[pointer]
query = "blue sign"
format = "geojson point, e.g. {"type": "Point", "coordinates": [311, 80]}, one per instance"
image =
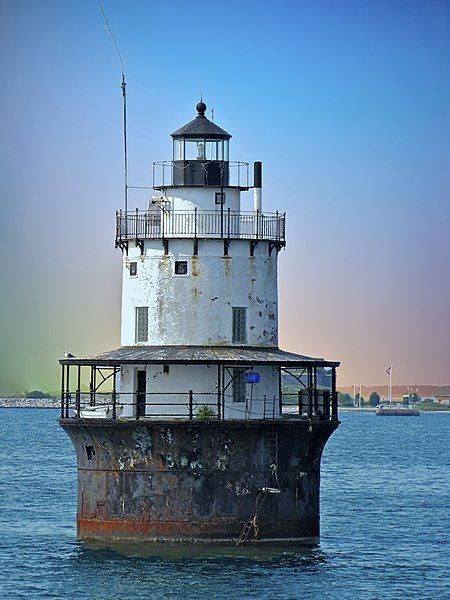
{"type": "Point", "coordinates": [252, 377]}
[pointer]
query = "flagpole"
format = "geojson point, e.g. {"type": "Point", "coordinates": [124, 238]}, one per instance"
{"type": "Point", "coordinates": [390, 385]}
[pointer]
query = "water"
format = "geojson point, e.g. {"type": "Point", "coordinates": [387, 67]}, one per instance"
{"type": "Point", "coordinates": [385, 510]}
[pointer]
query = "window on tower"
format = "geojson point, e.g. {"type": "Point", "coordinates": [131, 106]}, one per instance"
{"type": "Point", "coordinates": [181, 267]}
{"type": "Point", "coordinates": [239, 325]}
{"type": "Point", "coordinates": [141, 324]}
{"type": "Point", "coordinates": [238, 385]}
{"type": "Point", "coordinates": [133, 269]}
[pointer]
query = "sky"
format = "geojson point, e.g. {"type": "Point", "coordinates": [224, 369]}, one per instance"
{"type": "Point", "coordinates": [346, 103]}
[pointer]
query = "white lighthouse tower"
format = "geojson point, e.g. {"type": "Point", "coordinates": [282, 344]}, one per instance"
{"type": "Point", "coordinates": [200, 276]}
{"type": "Point", "coordinates": [183, 433]}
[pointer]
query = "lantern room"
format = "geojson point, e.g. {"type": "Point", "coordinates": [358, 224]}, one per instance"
{"type": "Point", "coordinates": [200, 153]}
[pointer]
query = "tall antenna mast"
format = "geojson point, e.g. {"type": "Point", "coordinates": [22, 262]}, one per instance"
{"type": "Point", "coordinates": [124, 96]}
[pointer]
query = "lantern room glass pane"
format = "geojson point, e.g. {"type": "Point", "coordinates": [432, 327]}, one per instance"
{"type": "Point", "coordinates": [178, 149]}
{"type": "Point", "coordinates": [201, 149]}
{"type": "Point", "coordinates": [214, 150]}
{"type": "Point", "coordinates": [194, 149]}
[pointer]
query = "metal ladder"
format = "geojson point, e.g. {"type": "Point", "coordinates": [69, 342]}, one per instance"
{"type": "Point", "coordinates": [270, 450]}
{"type": "Point", "coordinates": [251, 523]}
{"type": "Point", "coordinates": [269, 466]}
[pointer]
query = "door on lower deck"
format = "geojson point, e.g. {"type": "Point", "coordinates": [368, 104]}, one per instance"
{"type": "Point", "coordinates": [141, 390]}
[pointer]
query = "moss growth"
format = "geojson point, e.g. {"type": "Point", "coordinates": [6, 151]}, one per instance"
{"type": "Point", "coordinates": [205, 413]}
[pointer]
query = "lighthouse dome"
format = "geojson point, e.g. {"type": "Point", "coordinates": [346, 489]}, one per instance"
{"type": "Point", "coordinates": [201, 127]}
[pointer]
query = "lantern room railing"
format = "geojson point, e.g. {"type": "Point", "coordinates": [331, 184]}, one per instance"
{"type": "Point", "coordinates": [200, 173]}
{"type": "Point", "coordinates": [226, 224]}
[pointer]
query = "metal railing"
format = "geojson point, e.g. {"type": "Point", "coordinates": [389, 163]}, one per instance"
{"type": "Point", "coordinates": [313, 404]}
{"type": "Point", "coordinates": [192, 405]}
{"type": "Point", "coordinates": [226, 224]}
{"type": "Point", "coordinates": [200, 173]}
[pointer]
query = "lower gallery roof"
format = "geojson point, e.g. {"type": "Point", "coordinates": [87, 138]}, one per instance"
{"type": "Point", "coordinates": [197, 355]}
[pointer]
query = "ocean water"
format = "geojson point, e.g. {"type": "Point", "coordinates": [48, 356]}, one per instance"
{"type": "Point", "coordinates": [385, 508]}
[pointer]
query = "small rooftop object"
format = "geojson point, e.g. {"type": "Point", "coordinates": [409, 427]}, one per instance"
{"type": "Point", "coordinates": [186, 432]}
{"type": "Point", "coordinates": [201, 108]}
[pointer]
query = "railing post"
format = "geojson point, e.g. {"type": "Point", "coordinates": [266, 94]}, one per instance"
{"type": "Point", "coordinates": [62, 391]}
{"type": "Point", "coordinates": [228, 221]}
{"type": "Point", "coordinates": [114, 406]}
{"type": "Point", "coordinates": [315, 391]}
{"type": "Point", "coordinates": [78, 392]}
{"type": "Point", "coordinates": [300, 407]}
{"type": "Point", "coordinates": [91, 388]}
{"type": "Point", "coordinates": [280, 393]}
{"type": "Point", "coordinates": [334, 396]}
{"type": "Point", "coordinates": [195, 222]}
{"type": "Point", "coordinates": [310, 392]}
{"type": "Point", "coordinates": [191, 405]}
{"type": "Point", "coordinates": [67, 392]}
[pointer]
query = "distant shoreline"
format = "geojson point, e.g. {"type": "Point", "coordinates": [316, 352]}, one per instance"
{"type": "Point", "coordinates": [18, 402]}
{"type": "Point", "coordinates": [54, 403]}
{"type": "Point", "coordinates": [28, 406]}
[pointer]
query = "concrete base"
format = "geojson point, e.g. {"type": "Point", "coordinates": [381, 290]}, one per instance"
{"type": "Point", "coordinates": [198, 482]}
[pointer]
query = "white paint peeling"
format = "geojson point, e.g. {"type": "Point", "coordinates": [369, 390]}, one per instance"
{"type": "Point", "coordinates": [196, 310]}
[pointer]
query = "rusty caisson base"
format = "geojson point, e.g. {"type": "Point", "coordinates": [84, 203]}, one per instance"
{"type": "Point", "coordinates": [195, 481]}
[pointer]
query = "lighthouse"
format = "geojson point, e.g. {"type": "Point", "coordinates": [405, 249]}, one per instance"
{"type": "Point", "coordinates": [199, 428]}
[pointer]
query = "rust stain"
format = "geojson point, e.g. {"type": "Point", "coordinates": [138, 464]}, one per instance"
{"type": "Point", "coordinates": [195, 267]}
{"type": "Point", "coordinates": [193, 481]}
{"type": "Point", "coordinates": [191, 531]}
{"type": "Point", "coordinates": [227, 266]}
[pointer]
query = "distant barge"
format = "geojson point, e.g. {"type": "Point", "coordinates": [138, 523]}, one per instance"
{"type": "Point", "coordinates": [398, 411]}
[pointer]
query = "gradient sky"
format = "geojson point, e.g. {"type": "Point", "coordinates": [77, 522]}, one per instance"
{"type": "Point", "coordinates": [346, 103]}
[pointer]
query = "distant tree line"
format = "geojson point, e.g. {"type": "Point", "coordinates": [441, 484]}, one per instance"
{"type": "Point", "coordinates": [348, 400]}
{"type": "Point", "coordinates": [37, 394]}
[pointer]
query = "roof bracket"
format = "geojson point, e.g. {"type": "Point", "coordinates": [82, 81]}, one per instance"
{"type": "Point", "coordinates": [253, 245]}
{"type": "Point", "coordinates": [140, 244]}
{"type": "Point", "coordinates": [276, 245]}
